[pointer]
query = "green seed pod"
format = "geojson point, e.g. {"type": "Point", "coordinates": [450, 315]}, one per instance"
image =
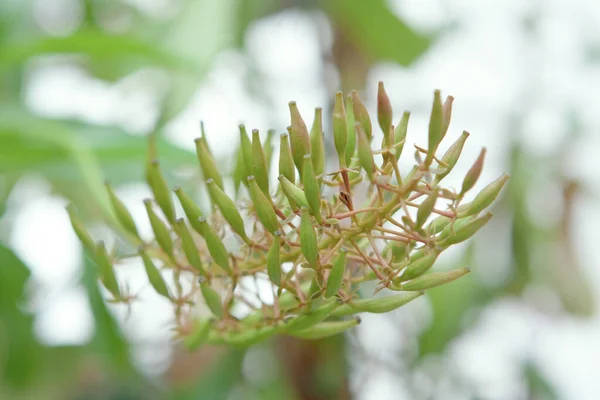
{"type": "Point", "coordinates": [400, 134]}
{"type": "Point", "coordinates": [316, 142]}
{"type": "Point", "coordinates": [378, 305]}
{"type": "Point", "coordinates": [451, 228]}
{"type": "Point", "coordinates": [107, 271]}
{"type": "Point", "coordinates": [451, 156]}
{"type": "Point", "coordinates": [315, 286]}
{"type": "Point", "coordinates": [286, 162]}
{"type": "Point", "coordinates": [161, 191]}
{"type": "Point", "coordinates": [351, 146]}
{"type": "Point", "coordinates": [361, 115]}
{"type": "Point", "coordinates": [215, 246]}
{"type": "Point", "coordinates": [312, 188]}
{"type": "Point", "coordinates": [207, 162]}
{"type": "Point", "coordinates": [199, 334]}
{"type": "Point", "coordinates": [485, 198]}
{"type": "Point", "coordinates": [161, 232]}
{"type": "Point", "coordinates": [268, 146]}
{"type": "Point", "coordinates": [80, 230]}
{"type": "Point", "coordinates": [311, 318]}
{"type": "Point", "coordinates": [447, 110]}
{"type": "Point", "coordinates": [384, 113]}
{"type": "Point", "coordinates": [473, 173]}
{"type": "Point", "coordinates": [154, 276]}
{"type": "Point", "coordinates": [262, 206]}
{"type": "Point", "coordinates": [365, 154]}
{"type": "Point", "coordinates": [228, 209]}
{"type": "Point", "coordinates": [212, 299]}
{"type": "Point", "coordinates": [274, 261]}
{"type": "Point", "coordinates": [260, 168]}
{"type": "Point", "coordinates": [299, 138]}
{"type": "Point", "coordinates": [438, 225]}
{"type": "Point", "coordinates": [294, 194]}
{"type": "Point", "coordinates": [249, 337]}
{"type": "Point", "coordinates": [432, 280]}
{"type": "Point", "coordinates": [340, 129]}
{"type": "Point", "coordinates": [123, 215]}
{"type": "Point", "coordinates": [465, 232]}
{"type": "Point", "coordinates": [421, 265]}
{"type": "Point", "coordinates": [336, 275]}
{"type": "Point", "coordinates": [425, 208]}
{"type": "Point", "coordinates": [239, 173]}
{"type": "Point", "coordinates": [188, 245]}
{"type": "Point", "coordinates": [246, 149]}
{"type": "Point", "coordinates": [190, 208]}
{"type": "Point", "coordinates": [436, 122]}
{"type": "Point", "coordinates": [308, 239]}
{"type": "Point", "coordinates": [326, 329]}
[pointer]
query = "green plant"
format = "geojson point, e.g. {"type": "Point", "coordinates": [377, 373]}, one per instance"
{"type": "Point", "coordinates": [377, 225]}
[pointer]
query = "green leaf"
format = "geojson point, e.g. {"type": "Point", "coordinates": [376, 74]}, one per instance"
{"type": "Point", "coordinates": [95, 44]}
{"type": "Point", "coordinates": [376, 30]}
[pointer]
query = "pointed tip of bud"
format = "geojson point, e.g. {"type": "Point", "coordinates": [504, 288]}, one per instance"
{"type": "Point", "coordinates": [210, 181]}
{"type": "Point", "coordinates": [357, 319]}
{"type": "Point", "coordinates": [202, 219]}
{"type": "Point", "coordinates": [284, 135]}
{"type": "Point", "coordinates": [177, 189]}
{"type": "Point", "coordinates": [180, 220]}
{"type": "Point", "coordinates": [155, 162]}
{"type": "Point", "coordinates": [250, 178]}
{"type": "Point", "coordinates": [255, 131]}
{"type": "Point", "coordinates": [147, 202]}
{"type": "Point", "coordinates": [197, 140]}
{"type": "Point", "coordinates": [307, 156]}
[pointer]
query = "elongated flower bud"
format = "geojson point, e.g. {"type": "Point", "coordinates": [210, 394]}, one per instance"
{"type": "Point", "coordinates": [351, 145]}
{"type": "Point", "coordinates": [473, 173]}
{"type": "Point", "coordinates": [336, 275]}
{"type": "Point", "coordinates": [376, 306]}
{"type": "Point", "coordinates": [316, 142]}
{"type": "Point", "coordinates": [311, 318]}
{"type": "Point", "coordinates": [246, 149]}
{"type": "Point", "coordinates": [447, 109]}
{"type": "Point", "coordinates": [239, 172]}
{"type": "Point", "coordinates": [212, 299]}
{"type": "Point", "coordinates": [286, 162]}
{"type": "Point", "coordinates": [268, 146]}
{"type": "Point", "coordinates": [199, 334]}
{"type": "Point", "coordinates": [294, 194]}
{"type": "Point", "coordinates": [485, 198]}
{"type": "Point", "coordinates": [436, 122]}
{"type": "Point", "coordinates": [161, 191]}
{"type": "Point", "coordinates": [326, 329]}
{"type": "Point", "coordinates": [467, 231]}
{"type": "Point", "coordinates": [80, 230]}
{"type": "Point", "coordinates": [122, 213]}
{"type": "Point", "coordinates": [161, 232]}
{"type": "Point", "coordinates": [107, 271]}
{"type": "Point", "coordinates": [274, 261]}
{"type": "Point", "coordinates": [308, 239]}
{"type": "Point", "coordinates": [190, 208]}
{"type": "Point", "coordinates": [340, 128]}
{"type": "Point", "coordinates": [425, 208]}
{"type": "Point", "coordinates": [299, 138]}
{"type": "Point", "coordinates": [451, 156]}
{"type": "Point", "coordinates": [262, 206]}
{"type": "Point", "coordinates": [418, 267]}
{"type": "Point", "coordinates": [434, 279]}
{"type": "Point", "coordinates": [384, 113]}
{"type": "Point", "coordinates": [189, 247]}
{"type": "Point", "coordinates": [259, 163]}
{"type": "Point", "coordinates": [215, 246]}
{"type": "Point", "coordinates": [361, 115]}
{"type": "Point", "coordinates": [207, 162]}
{"type": "Point", "coordinates": [312, 189]}
{"type": "Point", "coordinates": [365, 154]}
{"type": "Point", "coordinates": [400, 134]}
{"type": "Point", "coordinates": [228, 209]}
{"type": "Point", "coordinates": [156, 279]}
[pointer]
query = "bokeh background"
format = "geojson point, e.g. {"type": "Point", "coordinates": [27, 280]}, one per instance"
{"type": "Point", "coordinates": [84, 82]}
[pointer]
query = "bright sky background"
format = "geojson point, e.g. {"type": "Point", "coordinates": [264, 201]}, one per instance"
{"type": "Point", "coordinates": [490, 66]}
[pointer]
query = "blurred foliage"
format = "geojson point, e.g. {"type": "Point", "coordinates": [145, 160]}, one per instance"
{"type": "Point", "coordinates": [115, 39]}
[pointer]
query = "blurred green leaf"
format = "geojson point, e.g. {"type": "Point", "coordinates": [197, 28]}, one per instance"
{"type": "Point", "coordinates": [380, 33]}
{"type": "Point", "coordinates": [97, 45]}
{"type": "Point", "coordinates": [20, 352]}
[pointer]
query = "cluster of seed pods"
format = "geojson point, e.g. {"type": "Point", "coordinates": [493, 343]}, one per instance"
{"type": "Point", "coordinates": [315, 238]}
